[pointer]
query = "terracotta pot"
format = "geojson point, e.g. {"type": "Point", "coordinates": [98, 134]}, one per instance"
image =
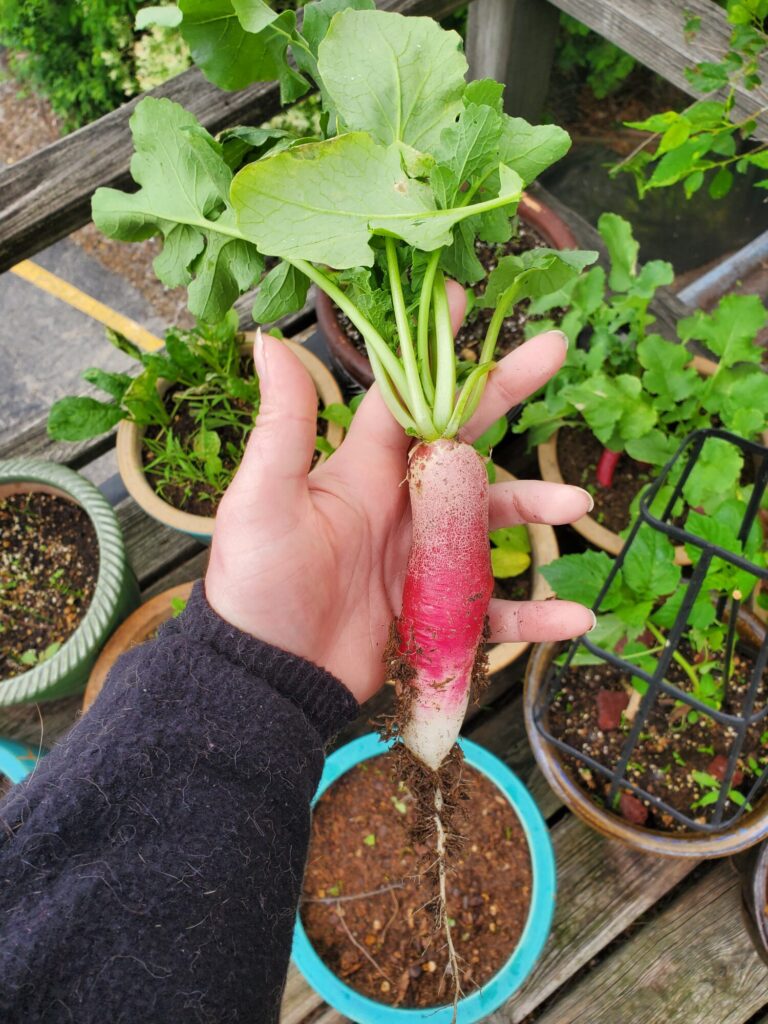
{"type": "Point", "coordinates": [354, 366]}
{"type": "Point", "coordinates": [589, 528]}
{"type": "Point", "coordinates": [130, 463]}
{"type": "Point", "coordinates": [753, 868]}
{"type": "Point", "coordinates": [137, 628]}
{"type": "Point", "coordinates": [544, 549]}
{"type": "Point", "coordinates": [115, 595]}
{"type": "Point", "coordinates": [752, 829]}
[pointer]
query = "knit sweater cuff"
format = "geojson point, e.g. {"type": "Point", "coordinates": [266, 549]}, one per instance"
{"type": "Point", "coordinates": [324, 700]}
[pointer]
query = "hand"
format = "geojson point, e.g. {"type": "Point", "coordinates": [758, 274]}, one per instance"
{"type": "Point", "coordinates": [314, 563]}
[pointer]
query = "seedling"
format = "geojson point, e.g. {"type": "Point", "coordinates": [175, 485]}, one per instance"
{"type": "Point", "coordinates": [31, 658]}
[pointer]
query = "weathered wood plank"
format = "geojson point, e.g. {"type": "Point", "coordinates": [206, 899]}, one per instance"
{"type": "Point", "coordinates": [513, 41]}
{"type": "Point", "coordinates": [694, 964]}
{"type": "Point", "coordinates": [653, 32]}
{"type": "Point", "coordinates": [48, 195]}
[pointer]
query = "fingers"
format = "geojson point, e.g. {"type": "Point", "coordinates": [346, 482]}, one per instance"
{"type": "Point", "coordinates": [457, 304]}
{"type": "Point", "coordinates": [534, 501]}
{"type": "Point", "coordinates": [281, 446]}
{"type": "Point", "coordinates": [516, 377]}
{"type": "Point", "coordinates": [537, 621]}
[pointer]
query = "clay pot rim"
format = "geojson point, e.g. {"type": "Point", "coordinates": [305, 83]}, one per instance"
{"type": "Point", "coordinates": [544, 549]}
{"type": "Point", "coordinates": [130, 435]}
{"type": "Point", "coordinates": [751, 830]}
{"type": "Point", "coordinates": [134, 630]}
{"type": "Point", "coordinates": [356, 364]}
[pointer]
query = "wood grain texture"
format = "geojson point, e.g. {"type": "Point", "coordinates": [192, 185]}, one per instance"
{"type": "Point", "coordinates": [48, 195]}
{"type": "Point", "coordinates": [693, 964]}
{"type": "Point", "coordinates": [652, 31]}
{"type": "Point", "coordinates": [513, 41]}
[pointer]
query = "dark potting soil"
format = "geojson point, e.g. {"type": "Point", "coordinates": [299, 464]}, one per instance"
{"type": "Point", "coordinates": [578, 452]}
{"type": "Point", "coordinates": [200, 497]}
{"type": "Point", "coordinates": [5, 786]}
{"type": "Point", "coordinates": [385, 945]}
{"type": "Point", "coordinates": [514, 588]}
{"type": "Point", "coordinates": [469, 340]}
{"type": "Point", "coordinates": [49, 564]}
{"type": "Point", "coordinates": [589, 712]}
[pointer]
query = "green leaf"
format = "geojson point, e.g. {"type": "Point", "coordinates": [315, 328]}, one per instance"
{"type": "Point", "coordinates": [168, 16]}
{"type": "Point", "coordinates": [655, 447]}
{"type": "Point", "coordinates": [491, 437]}
{"type": "Point", "coordinates": [533, 274]}
{"type": "Point", "coordinates": [581, 577]}
{"type": "Point", "coordinates": [77, 419]}
{"type": "Point", "coordinates": [184, 196]}
{"type": "Point", "coordinates": [307, 203]}
{"type": "Point", "coordinates": [506, 563]}
{"type": "Point", "coordinates": [335, 412]}
{"type": "Point", "coordinates": [115, 384]}
{"type": "Point", "coordinates": [206, 443]}
{"type": "Point", "coordinates": [674, 136]}
{"type": "Point", "coordinates": [531, 149]}
{"type": "Point", "coordinates": [649, 565]}
{"type": "Point", "coordinates": [283, 291]}
{"type": "Point", "coordinates": [459, 260]}
{"type": "Point", "coordinates": [721, 183]}
{"type": "Point", "coordinates": [486, 92]}
{"type": "Point", "coordinates": [622, 250]}
{"type": "Point", "coordinates": [513, 538]}
{"type": "Point", "coordinates": [318, 15]}
{"type": "Point", "coordinates": [471, 145]}
{"type": "Point", "coordinates": [667, 371]}
{"type": "Point", "coordinates": [715, 474]}
{"type": "Point", "coordinates": [237, 42]}
{"type": "Point", "coordinates": [730, 330]}
{"type": "Point", "coordinates": [399, 78]}
{"type": "Point", "coordinates": [370, 839]}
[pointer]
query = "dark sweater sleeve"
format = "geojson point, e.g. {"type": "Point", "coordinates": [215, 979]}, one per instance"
{"type": "Point", "coordinates": [150, 868]}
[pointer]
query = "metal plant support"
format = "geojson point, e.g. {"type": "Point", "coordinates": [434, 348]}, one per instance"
{"type": "Point", "coordinates": [727, 610]}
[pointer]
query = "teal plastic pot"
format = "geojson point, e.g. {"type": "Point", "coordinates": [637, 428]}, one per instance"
{"type": "Point", "coordinates": [115, 596]}
{"type": "Point", "coordinates": [506, 981]}
{"type": "Point", "coordinates": [17, 759]}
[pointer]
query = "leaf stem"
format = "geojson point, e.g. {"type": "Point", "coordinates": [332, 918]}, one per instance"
{"type": "Point", "coordinates": [415, 398]}
{"type": "Point", "coordinates": [681, 661]}
{"type": "Point", "coordinates": [422, 328]}
{"type": "Point", "coordinates": [445, 358]}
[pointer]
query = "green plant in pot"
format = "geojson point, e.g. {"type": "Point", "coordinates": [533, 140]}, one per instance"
{"type": "Point", "coordinates": [651, 728]}
{"type": "Point", "coordinates": [184, 419]}
{"type": "Point", "coordinates": [627, 396]}
{"type": "Point", "coordinates": [368, 215]}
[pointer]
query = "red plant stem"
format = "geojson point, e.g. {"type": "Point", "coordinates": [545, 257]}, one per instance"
{"type": "Point", "coordinates": [447, 589]}
{"type": "Point", "coordinates": [606, 467]}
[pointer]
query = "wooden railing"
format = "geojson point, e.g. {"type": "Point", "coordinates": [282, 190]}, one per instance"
{"type": "Point", "coordinates": [47, 195]}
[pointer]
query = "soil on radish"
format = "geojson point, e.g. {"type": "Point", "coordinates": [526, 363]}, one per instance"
{"type": "Point", "coordinates": [49, 564]}
{"type": "Point", "coordinates": [588, 713]}
{"type": "Point", "coordinates": [578, 452]}
{"type": "Point", "coordinates": [385, 945]}
{"type": "Point", "coordinates": [200, 497]}
{"type": "Point", "coordinates": [469, 340]}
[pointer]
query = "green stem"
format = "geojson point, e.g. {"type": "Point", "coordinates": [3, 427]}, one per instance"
{"type": "Point", "coordinates": [681, 661]}
{"type": "Point", "coordinates": [374, 340]}
{"type": "Point", "coordinates": [445, 358]}
{"type": "Point", "coordinates": [472, 383]}
{"type": "Point", "coordinates": [415, 398]}
{"type": "Point", "coordinates": [422, 330]}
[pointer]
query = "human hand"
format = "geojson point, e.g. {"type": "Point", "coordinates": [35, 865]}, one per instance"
{"type": "Point", "coordinates": [315, 562]}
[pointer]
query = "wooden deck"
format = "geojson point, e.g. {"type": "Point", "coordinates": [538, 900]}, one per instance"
{"type": "Point", "coordinates": [636, 940]}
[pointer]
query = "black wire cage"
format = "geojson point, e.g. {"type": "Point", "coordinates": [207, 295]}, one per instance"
{"type": "Point", "coordinates": [674, 475]}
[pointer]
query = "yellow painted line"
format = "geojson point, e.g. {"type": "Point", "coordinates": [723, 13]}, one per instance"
{"type": "Point", "coordinates": [60, 289]}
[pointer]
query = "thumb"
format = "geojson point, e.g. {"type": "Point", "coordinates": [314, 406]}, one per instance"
{"type": "Point", "coordinates": [282, 443]}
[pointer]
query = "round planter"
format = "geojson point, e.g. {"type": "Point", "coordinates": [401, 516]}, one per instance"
{"type": "Point", "coordinates": [544, 549]}
{"type": "Point", "coordinates": [589, 528]}
{"type": "Point", "coordinates": [115, 595]}
{"type": "Point", "coordinates": [508, 980]}
{"type": "Point", "coordinates": [17, 760]}
{"type": "Point", "coordinates": [751, 829]}
{"type": "Point", "coordinates": [130, 463]}
{"type": "Point", "coordinates": [355, 366]}
{"type": "Point", "coordinates": [140, 625]}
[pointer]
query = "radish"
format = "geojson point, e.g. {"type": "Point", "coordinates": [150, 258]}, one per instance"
{"type": "Point", "coordinates": [417, 165]}
{"type": "Point", "coordinates": [606, 467]}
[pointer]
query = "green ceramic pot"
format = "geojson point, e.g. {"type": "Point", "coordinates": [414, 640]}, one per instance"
{"type": "Point", "coordinates": [115, 596]}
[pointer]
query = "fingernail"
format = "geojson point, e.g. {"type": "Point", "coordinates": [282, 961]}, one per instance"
{"type": "Point", "coordinates": [564, 336]}
{"type": "Point", "coordinates": [259, 355]}
{"type": "Point", "coordinates": [590, 499]}
{"type": "Point", "coordinates": [594, 621]}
